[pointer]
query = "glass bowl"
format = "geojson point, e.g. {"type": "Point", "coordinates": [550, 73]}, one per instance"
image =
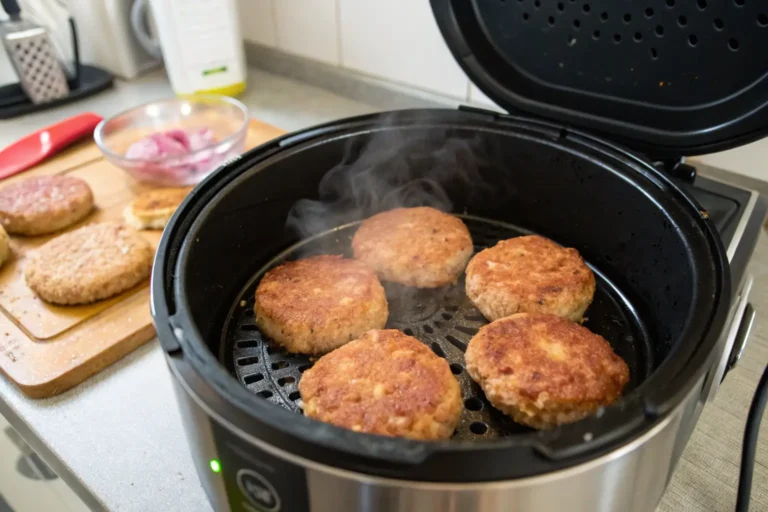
{"type": "Point", "coordinates": [174, 142]}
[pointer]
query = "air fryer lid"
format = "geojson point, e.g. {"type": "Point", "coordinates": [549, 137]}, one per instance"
{"type": "Point", "coordinates": [669, 78]}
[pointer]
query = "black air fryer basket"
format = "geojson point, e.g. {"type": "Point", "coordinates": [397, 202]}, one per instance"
{"type": "Point", "coordinates": [661, 301]}
{"type": "Point", "coordinates": [647, 78]}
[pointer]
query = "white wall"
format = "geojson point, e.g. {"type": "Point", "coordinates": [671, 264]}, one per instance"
{"type": "Point", "coordinates": [393, 40]}
{"type": "Point", "coordinates": [398, 41]}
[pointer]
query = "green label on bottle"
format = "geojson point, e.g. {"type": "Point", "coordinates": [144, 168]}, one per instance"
{"type": "Point", "coordinates": [208, 72]}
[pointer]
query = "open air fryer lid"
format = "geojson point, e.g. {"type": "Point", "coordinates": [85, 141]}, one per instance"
{"type": "Point", "coordinates": [668, 78]}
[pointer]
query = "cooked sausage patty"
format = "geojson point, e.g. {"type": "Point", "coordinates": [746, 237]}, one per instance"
{"type": "Point", "coordinates": [152, 209]}
{"type": "Point", "coordinates": [317, 304]}
{"type": "Point", "coordinates": [88, 264]}
{"type": "Point", "coordinates": [384, 383]}
{"type": "Point", "coordinates": [530, 274]}
{"type": "Point", "coordinates": [544, 370]}
{"type": "Point", "coordinates": [44, 204]}
{"type": "Point", "coordinates": [421, 247]}
{"type": "Point", "coordinates": [5, 247]}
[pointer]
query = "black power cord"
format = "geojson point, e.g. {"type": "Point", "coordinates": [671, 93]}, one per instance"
{"type": "Point", "coordinates": [750, 443]}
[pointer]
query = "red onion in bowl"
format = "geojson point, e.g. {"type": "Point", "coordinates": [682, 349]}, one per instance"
{"type": "Point", "coordinates": [175, 142]}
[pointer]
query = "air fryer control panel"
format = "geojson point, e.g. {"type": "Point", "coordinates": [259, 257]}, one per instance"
{"type": "Point", "coordinates": [256, 480]}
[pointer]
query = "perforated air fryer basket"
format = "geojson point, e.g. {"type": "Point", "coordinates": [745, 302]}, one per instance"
{"type": "Point", "coordinates": [666, 77]}
{"type": "Point", "coordinates": [444, 319]}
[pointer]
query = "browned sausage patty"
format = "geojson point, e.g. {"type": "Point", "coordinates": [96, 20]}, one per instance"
{"type": "Point", "coordinates": [317, 304]}
{"type": "Point", "coordinates": [544, 370]}
{"type": "Point", "coordinates": [384, 383]}
{"type": "Point", "coordinates": [5, 248]}
{"type": "Point", "coordinates": [44, 204]}
{"type": "Point", "coordinates": [530, 274]}
{"type": "Point", "coordinates": [152, 209]}
{"type": "Point", "coordinates": [421, 247]}
{"type": "Point", "coordinates": [88, 264]}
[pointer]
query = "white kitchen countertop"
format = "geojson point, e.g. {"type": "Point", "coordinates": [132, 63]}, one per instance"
{"type": "Point", "coordinates": [117, 439]}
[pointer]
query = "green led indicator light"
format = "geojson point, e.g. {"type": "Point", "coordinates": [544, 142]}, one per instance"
{"type": "Point", "coordinates": [215, 466]}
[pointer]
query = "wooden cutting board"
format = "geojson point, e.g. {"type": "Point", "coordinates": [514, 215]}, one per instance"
{"type": "Point", "coordinates": [46, 349]}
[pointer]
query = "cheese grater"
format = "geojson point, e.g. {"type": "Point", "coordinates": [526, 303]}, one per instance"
{"type": "Point", "coordinates": [33, 57]}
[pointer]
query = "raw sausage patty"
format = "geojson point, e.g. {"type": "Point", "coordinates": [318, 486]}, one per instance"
{"type": "Point", "coordinates": [44, 204]}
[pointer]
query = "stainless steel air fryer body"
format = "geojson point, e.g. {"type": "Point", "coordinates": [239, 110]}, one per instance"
{"type": "Point", "coordinates": [631, 479]}
{"type": "Point", "coordinates": [254, 452]}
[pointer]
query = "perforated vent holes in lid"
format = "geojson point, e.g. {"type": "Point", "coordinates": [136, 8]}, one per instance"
{"type": "Point", "coordinates": [667, 77]}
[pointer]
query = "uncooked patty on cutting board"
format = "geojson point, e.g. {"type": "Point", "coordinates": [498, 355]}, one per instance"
{"type": "Point", "coordinates": [88, 264]}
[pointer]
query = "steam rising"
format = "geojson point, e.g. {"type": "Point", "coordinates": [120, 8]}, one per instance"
{"type": "Point", "coordinates": [394, 167]}
{"type": "Point", "coordinates": [398, 167]}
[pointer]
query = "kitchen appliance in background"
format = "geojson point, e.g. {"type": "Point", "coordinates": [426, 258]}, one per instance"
{"type": "Point", "coordinates": [45, 74]}
{"type": "Point", "coordinates": [199, 41]}
{"type": "Point", "coordinates": [109, 40]}
{"type": "Point", "coordinates": [591, 155]}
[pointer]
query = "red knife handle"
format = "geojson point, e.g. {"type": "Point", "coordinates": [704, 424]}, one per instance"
{"type": "Point", "coordinates": [36, 147]}
{"type": "Point", "coordinates": [65, 132]}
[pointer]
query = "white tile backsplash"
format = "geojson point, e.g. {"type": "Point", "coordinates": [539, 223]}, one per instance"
{"type": "Point", "coordinates": [257, 22]}
{"type": "Point", "coordinates": [398, 40]}
{"type": "Point", "coordinates": [308, 28]}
